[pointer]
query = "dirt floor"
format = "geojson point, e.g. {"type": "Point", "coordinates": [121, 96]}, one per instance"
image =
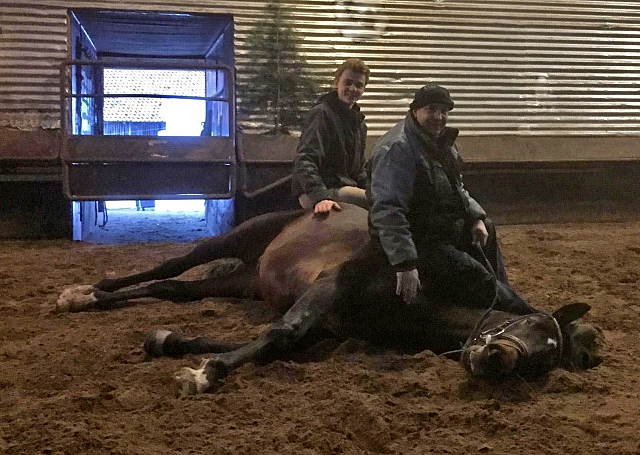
{"type": "Point", "coordinates": [79, 383]}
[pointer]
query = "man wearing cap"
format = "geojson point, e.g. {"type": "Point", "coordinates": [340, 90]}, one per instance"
{"type": "Point", "coordinates": [433, 234]}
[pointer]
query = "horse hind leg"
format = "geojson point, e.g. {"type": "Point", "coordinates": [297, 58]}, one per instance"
{"type": "Point", "coordinates": [246, 242]}
{"type": "Point", "coordinates": [241, 284]}
{"type": "Point", "coordinates": [209, 250]}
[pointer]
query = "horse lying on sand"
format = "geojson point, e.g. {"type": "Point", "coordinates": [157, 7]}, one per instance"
{"type": "Point", "coordinates": [292, 261]}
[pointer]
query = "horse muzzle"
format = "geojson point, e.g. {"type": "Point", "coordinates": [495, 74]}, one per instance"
{"type": "Point", "coordinates": [494, 359]}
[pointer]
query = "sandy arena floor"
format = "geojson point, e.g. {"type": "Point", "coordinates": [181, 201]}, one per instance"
{"type": "Point", "coordinates": [79, 384]}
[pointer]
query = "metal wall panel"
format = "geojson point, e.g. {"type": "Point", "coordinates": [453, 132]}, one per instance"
{"type": "Point", "coordinates": [514, 67]}
{"type": "Point", "coordinates": [33, 42]}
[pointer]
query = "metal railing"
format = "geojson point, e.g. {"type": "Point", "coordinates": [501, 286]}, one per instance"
{"type": "Point", "coordinates": [66, 94]}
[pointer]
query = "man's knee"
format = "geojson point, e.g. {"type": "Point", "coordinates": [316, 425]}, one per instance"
{"type": "Point", "coordinates": [459, 278]}
{"type": "Point", "coordinates": [352, 195]}
{"type": "Point", "coordinates": [447, 263]}
{"type": "Point", "coordinates": [305, 202]}
{"type": "Point", "coordinates": [491, 228]}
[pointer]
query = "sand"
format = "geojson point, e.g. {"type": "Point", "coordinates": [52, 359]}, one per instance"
{"type": "Point", "coordinates": [79, 383]}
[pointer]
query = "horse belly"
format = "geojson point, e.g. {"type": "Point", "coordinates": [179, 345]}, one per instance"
{"type": "Point", "coordinates": [306, 249]}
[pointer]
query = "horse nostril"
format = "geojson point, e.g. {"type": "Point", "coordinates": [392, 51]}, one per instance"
{"type": "Point", "coordinates": [492, 364]}
{"type": "Point", "coordinates": [586, 360]}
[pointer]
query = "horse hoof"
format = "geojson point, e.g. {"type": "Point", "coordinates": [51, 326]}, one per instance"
{"type": "Point", "coordinates": [189, 382]}
{"type": "Point", "coordinates": [77, 298]}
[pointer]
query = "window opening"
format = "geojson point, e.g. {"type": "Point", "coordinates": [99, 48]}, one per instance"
{"type": "Point", "coordinates": [154, 116]}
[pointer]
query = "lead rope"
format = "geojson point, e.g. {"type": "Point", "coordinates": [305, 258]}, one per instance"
{"type": "Point", "coordinates": [494, 280]}
{"type": "Point", "coordinates": [476, 328]}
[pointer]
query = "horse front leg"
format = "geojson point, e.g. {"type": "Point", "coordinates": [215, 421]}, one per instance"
{"type": "Point", "coordinates": [161, 343]}
{"type": "Point", "coordinates": [305, 318]}
{"type": "Point", "coordinates": [240, 284]}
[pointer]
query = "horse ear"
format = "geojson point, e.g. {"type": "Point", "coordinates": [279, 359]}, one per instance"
{"type": "Point", "coordinates": [570, 313]}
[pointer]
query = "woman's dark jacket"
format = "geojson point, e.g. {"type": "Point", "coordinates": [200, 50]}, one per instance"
{"type": "Point", "coordinates": [331, 149]}
{"type": "Point", "coordinates": [416, 193]}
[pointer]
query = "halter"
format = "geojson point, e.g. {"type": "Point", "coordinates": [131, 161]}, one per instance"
{"type": "Point", "coordinates": [498, 332]}
{"type": "Point", "coordinates": [501, 332]}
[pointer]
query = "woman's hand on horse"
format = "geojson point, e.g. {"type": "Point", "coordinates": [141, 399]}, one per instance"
{"type": "Point", "coordinates": [325, 206]}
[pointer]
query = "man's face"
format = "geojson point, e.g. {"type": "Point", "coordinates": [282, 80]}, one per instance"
{"type": "Point", "coordinates": [432, 118]}
{"type": "Point", "coordinates": [350, 86]}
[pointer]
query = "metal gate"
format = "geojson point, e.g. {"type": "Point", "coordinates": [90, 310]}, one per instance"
{"type": "Point", "coordinates": [96, 166]}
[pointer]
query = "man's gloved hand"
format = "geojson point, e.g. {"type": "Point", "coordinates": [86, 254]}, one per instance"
{"type": "Point", "coordinates": [407, 285]}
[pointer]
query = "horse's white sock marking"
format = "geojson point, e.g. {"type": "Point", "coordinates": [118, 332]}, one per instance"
{"type": "Point", "coordinates": [76, 298]}
{"type": "Point", "coordinates": [161, 335]}
{"type": "Point", "coordinates": [192, 381]}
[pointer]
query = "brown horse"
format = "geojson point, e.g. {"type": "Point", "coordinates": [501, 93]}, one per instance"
{"type": "Point", "coordinates": [294, 261]}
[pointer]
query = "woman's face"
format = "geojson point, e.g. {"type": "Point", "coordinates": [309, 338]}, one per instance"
{"type": "Point", "coordinates": [350, 86]}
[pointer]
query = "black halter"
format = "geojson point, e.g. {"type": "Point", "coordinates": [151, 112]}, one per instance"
{"type": "Point", "coordinates": [504, 331]}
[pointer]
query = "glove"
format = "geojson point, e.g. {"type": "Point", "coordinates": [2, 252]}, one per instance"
{"type": "Point", "coordinates": [407, 285]}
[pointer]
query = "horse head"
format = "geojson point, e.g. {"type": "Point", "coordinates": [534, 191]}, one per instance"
{"type": "Point", "coordinates": [532, 344]}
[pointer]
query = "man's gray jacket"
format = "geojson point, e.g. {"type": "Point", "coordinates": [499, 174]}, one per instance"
{"type": "Point", "coordinates": [415, 192]}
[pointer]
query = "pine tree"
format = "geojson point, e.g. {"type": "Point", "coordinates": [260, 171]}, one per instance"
{"type": "Point", "coordinates": [281, 85]}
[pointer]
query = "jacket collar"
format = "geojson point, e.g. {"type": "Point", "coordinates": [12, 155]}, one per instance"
{"type": "Point", "coordinates": [340, 107]}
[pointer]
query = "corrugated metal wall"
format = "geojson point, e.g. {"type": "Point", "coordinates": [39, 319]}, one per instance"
{"type": "Point", "coordinates": [514, 67]}
{"type": "Point", "coordinates": [33, 43]}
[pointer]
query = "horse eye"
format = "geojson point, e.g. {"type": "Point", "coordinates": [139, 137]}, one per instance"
{"type": "Point", "coordinates": [587, 342]}
{"type": "Point", "coordinates": [588, 339]}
